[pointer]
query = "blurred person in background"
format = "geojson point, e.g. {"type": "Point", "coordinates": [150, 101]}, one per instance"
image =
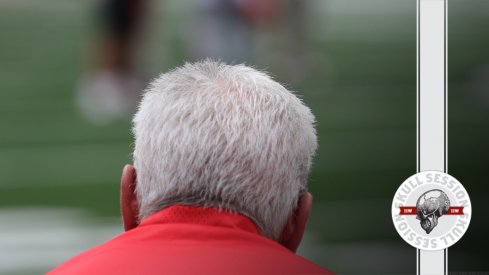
{"type": "Point", "coordinates": [109, 91]}
{"type": "Point", "coordinates": [219, 182]}
{"type": "Point", "coordinates": [222, 30]}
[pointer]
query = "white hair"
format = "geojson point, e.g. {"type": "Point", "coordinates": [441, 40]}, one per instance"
{"type": "Point", "coordinates": [224, 136]}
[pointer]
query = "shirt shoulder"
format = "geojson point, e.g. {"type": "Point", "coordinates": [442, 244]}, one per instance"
{"type": "Point", "coordinates": [184, 249]}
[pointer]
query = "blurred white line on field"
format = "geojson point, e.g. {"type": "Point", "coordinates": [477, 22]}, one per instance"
{"type": "Point", "coordinates": [38, 239]}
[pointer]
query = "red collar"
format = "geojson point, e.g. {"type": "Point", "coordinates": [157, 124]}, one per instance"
{"type": "Point", "coordinates": [201, 215]}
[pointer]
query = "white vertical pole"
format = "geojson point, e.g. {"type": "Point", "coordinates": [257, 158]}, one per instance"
{"type": "Point", "coordinates": [431, 52]}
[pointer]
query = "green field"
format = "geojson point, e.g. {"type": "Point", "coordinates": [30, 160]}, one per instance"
{"type": "Point", "coordinates": [359, 79]}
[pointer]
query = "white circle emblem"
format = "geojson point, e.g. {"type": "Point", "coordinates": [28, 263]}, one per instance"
{"type": "Point", "coordinates": [431, 210]}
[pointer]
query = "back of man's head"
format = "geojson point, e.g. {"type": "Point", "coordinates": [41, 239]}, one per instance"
{"type": "Point", "coordinates": [223, 136]}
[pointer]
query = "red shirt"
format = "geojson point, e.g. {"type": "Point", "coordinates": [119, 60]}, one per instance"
{"type": "Point", "coordinates": [188, 239]}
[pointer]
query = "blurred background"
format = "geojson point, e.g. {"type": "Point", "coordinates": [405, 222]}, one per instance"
{"type": "Point", "coordinates": [63, 142]}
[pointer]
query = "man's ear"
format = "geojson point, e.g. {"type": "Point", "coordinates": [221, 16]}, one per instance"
{"type": "Point", "coordinates": [294, 228]}
{"type": "Point", "coordinates": [129, 202]}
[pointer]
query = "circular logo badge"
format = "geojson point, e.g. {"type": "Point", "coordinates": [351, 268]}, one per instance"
{"type": "Point", "coordinates": [431, 210]}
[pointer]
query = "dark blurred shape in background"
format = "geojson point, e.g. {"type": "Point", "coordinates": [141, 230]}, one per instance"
{"type": "Point", "coordinates": [353, 62]}
{"type": "Point", "coordinates": [219, 29]}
